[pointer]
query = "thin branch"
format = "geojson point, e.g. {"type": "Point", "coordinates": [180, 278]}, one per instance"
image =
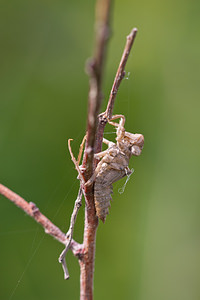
{"type": "Point", "coordinates": [94, 69]}
{"type": "Point", "coordinates": [69, 234]}
{"type": "Point", "coordinates": [95, 129]}
{"type": "Point", "coordinates": [105, 116]}
{"type": "Point", "coordinates": [32, 210]}
{"type": "Point", "coordinates": [120, 72]}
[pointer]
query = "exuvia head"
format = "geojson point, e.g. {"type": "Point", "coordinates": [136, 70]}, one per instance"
{"type": "Point", "coordinates": [136, 142]}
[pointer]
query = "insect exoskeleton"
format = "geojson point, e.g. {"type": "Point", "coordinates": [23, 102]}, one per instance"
{"type": "Point", "coordinates": [113, 169]}
{"type": "Point", "coordinates": [114, 165]}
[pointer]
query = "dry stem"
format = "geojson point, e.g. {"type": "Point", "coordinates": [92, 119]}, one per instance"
{"type": "Point", "coordinates": [105, 116]}
{"type": "Point", "coordinates": [95, 70]}
{"type": "Point", "coordinates": [91, 222]}
{"type": "Point", "coordinates": [120, 73]}
{"type": "Point", "coordinates": [32, 210]}
{"type": "Point", "coordinates": [95, 129]}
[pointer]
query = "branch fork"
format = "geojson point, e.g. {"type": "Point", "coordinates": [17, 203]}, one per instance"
{"type": "Point", "coordinates": [95, 128]}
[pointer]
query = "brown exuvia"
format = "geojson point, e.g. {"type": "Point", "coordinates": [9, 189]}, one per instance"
{"type": "Point", "coordinates": [113, 165]}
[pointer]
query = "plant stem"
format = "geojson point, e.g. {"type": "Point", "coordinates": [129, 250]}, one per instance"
{"type": "Point", "coordinates": [32, 210]}
{"type": "Point", "coordinates": [105, 116]}
{"type": "Point", "coordinates": [120, 72]}
{"type": "Point", "coordinates": [95, 71]}
{"type": "Point", "coordinates": [95, 128]}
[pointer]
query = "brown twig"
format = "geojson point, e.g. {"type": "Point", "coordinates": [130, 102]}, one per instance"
{"type": "Point", "coordinates": [95, 129]}
{"type": "Point", "coordinates": [94, 70]}
{"type": "Point", "coordinates": [120, 72]}
{"type": "Point", "coordinates": [105, 116]}
{"type": "Point", "coordinates": [32, 210]}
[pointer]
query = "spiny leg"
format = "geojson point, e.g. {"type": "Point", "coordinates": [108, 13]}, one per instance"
{"type": "Point", "coordinates": [120, 126]}
{"type": "Point", "coordinates": [100, 155]}
{"type": "Point", "coordinates": [107, 142]}
{"type": "Point", "coordinates": [117, 117]}
{"type": "Point", "coordinates": [81, 150]}
{"type": "Point", "coordinates": [113, 123]}
{"type": "Point", "coordinates": [75, 162]}
{"type": "Point", "coordinates": [96, 171]}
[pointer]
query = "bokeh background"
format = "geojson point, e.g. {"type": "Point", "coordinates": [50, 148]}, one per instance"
{"type": "Point", "coordinates": [148, 248]}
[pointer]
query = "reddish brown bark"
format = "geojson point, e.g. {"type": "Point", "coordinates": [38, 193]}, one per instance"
{"type": "Point", "coordinates": [95, 72]}
{"type": "Point", "coordinates": [31, 209]}
{"type": "Point", "coordinates": [95, 128]}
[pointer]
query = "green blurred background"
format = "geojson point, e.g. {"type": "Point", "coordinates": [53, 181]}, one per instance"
{"type": "Point", "coordinates": [148, 248]}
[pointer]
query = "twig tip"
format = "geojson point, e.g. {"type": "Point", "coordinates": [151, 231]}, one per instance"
{"type": "Point", "coordinates": [133, 33]}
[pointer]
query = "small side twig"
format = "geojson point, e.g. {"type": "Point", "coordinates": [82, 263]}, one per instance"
{"type": "Point", "coordinates": [32, 210]}
{"type": "Point", "coordinates": [69, 234]}
{"type": "Point", "coordinates": [105, 116]}
{"type": "Point", "coordinates": [120, 72]}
